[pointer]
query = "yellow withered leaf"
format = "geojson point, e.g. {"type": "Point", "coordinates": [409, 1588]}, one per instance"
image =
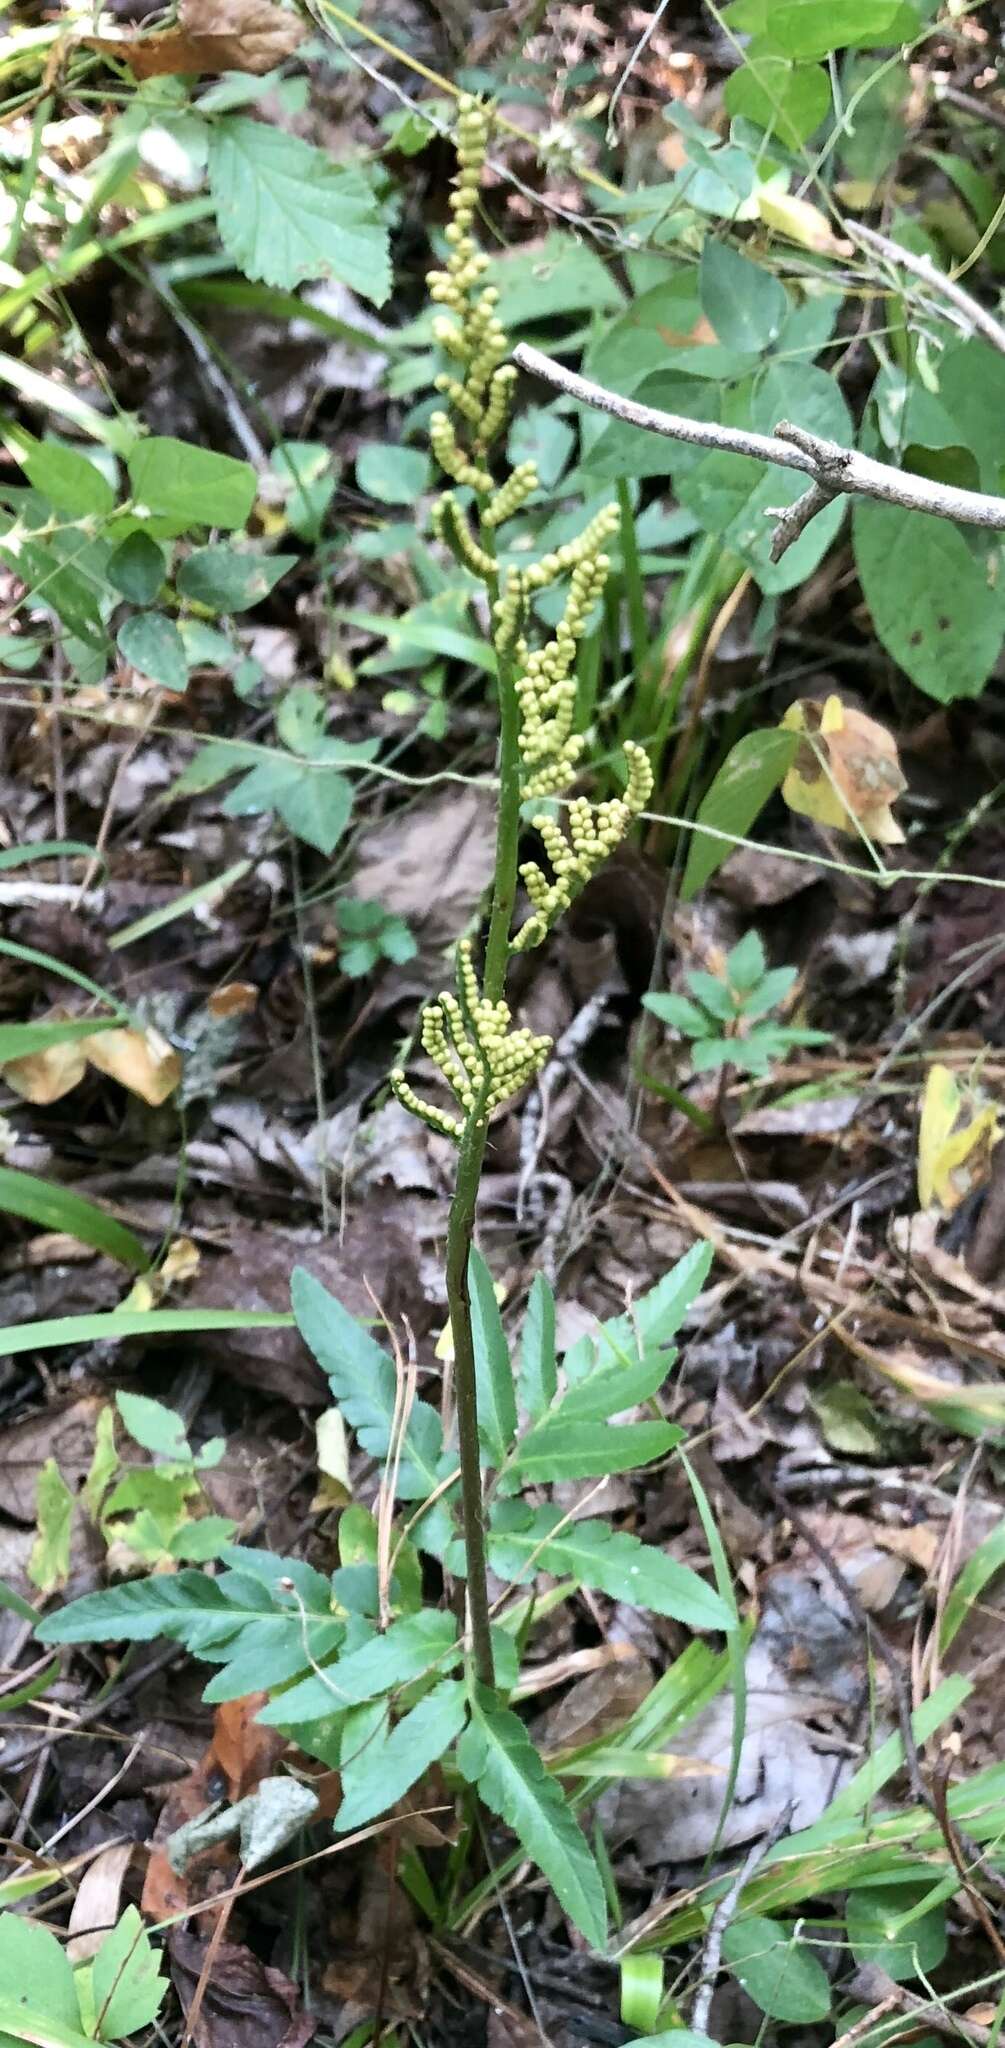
{"type": "Point", "coordinates": [953, 1157]}
{"type": "Point", "coordinates": [46, 1076]}
{"type": "Point", "coordinates": [800, 221]}
{"type": "Point", "coordinates": [846, 772]}
{"type": "Point", "coordinates": [143, 1061]}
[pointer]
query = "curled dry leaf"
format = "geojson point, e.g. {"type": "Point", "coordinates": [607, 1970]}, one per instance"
{"type": "Point", "coordinates": [846, 772]}
{"type": "Point", "coordinates": [210, 35]}
{"type": "Point", "coordinates": [46, 1076]}
{"type": "Point", "coordinates": [142, 1060]}
{"type": "Point", "coordinates": [98, 1901]}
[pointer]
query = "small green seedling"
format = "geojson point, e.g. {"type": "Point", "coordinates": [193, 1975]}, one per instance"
{"type": "Point", "coordinates": [729, 1020]}
{"type": "Point", "coordinates": [371, 934]}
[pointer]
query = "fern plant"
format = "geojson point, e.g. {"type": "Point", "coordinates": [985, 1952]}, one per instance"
{"type": "Point", "coordinates": [362, 1671]}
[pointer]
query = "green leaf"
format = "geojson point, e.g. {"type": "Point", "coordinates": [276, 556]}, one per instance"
{"type": "Point", "coordinates": [538, 1365]}
{"type": "Point", "coordinates": [746, 965]}
{"type": "Point", "coordinates": [153, 645]}
{"type": "Point", "coordinates": [229, 580]}
{"type": "Point", "coordinates": [72, 484]}
{"type": "Point", "coordinates": [788, 100]}
{"type": "Point", "coordinates": [362, 1380]}
{"type": "Point", "coordinates": [588, 1450]}
{"type": "Point", "coordinates": [286, 212]}
{"type": "Point", "coordinates": [732, 496]}
{"type": "Point", "coordinates": [629, 1357]}
{"type": "Point", "coordinates": [541, 436]}
{"type": "Point", "coordinates": [119, 1323]}
{"type": "Point", "coordinates": [611, 1561]}
{"type": "Point", "coordinates": [57, 1208]}
{"type": "Point", "coordinates": [745, 303]}
{"type": "Point", "coordinates": [987, 1560]}
{"type": "Point", "coordinates": [378, 1772]}
{"type": "Point", "coordinates": [16, 1040]}
{"type": "Point", "coordinates": [496, 1394]}
{"type": "Point", "coordinates": [189, 485]}
{"type": "Point", "coordinates": [780, 1974]}
{"type": "Point", "coordinates": [126, 1984]}
{"type": "Point", "coordinates": [407, 1650]}
{"type": "Point", "coordinates": [813, 28]}
{"type": "Point", "coordinates": [314, 803]}
{"type": "Point", "coordinates": [561, 274]}
{"type": "Point", "coordinates": [49, 1563]}
{"type": "Point", "coordinates": [153, 1426]}
{"type": "Point", "coordinates": [496, 1754]}
{"type": "Point", "coordinates": [137, 568]}
{"type": "Point", "coordinates": [679, 1012]}
{"type": "Point", "coordinates": [935, 604]}
{"type": "Point", "coordinates": [395, 475]}
{"type": "Point", "coordinates": [890, 1927]}
{"type": "Point", "coordinates": [752, 771]}
{"type": "Point", "coordinates": [31, 1955]}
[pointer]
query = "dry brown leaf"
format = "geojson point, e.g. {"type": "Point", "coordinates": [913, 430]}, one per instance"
{"type": "Point", "coordinates": [44, 1077]}
{"type": "Point", "coordinates": [65, 1433]}
{"type": "Point", "coordinates": [846, 771]}
{"type": "Point", "coordinates": [211, 35]}
{"type": "Point", "coordinates": [99, 1897]}
{"type": "Point", "coordinates": [432, 864]}
{"type": "Point", "coordinates": [142, 1061]}
{"type": "Point", "coordinates": [245, 2004]}
{"type": "Point", "coordinates": [239, 1756]}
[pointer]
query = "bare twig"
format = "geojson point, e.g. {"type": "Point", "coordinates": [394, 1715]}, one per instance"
{"type": "Point", "coordinates": [969, 103]}
{"type": "Point", "coordinates": [977, 317]}
{"type": "Point", "coordinates": [833, 471]}
{"type": "Point", "coordinates": [712, 1955]}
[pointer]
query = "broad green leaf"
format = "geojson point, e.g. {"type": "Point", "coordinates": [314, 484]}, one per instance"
{"type": "Point", "coordinates": [813, 28]}
{"type": "Point", "coordinates": [891, 1927]}
{"type": "Point", "coordinates": [153, 645]}
{"type": "Point", "coordinates": [391, 473]}
{"type": "Point", "coordinates": [137, 568]}
{"type": "Point", "coordinates": [190, 485]}
{"type": "Point", "coordinates": [377, 1773]}
{"type": "Point", "coordinates": [230, 579]}
{"type": "Point", "coordinates": [408, 1649]}
{"type": "Point", "coordinates": [496, 1754]}
{"type": "Point", "coordinates": [733, 496]}
{"type": "Point", "coordinates": [361, 1376]}
{"type": "Point", "coordinates": [753, 769]}
{"type": "Point", "coordinates": [628, 1358]}
{"type": "Point", "coordinates": [286, 212]}
{"type": "Point", "coordinates": [745, 303]}
{"type": "Point", "coordinates": [49, 1563]}
{"type": "Point", "coordinates": [788, 100]}
{"type": "Point", "coordinates": [561, 274]}
{"type": "Point", "coordinates": [314, 803]}
{"type": "Point", "coordinates": [496, 1395]}
{"type": "Point", "coordinates": [30, 1956]}
{"type": "Point", "coordinates": [58, 1208]}
{"type": "Point", "coordinates": [263, 1620]}
{"type": "Point", "coordinates": [589, 1450]}
{"type": "Point", "coordinates": [75, 486]}
{"type": "Point", "coordinates": [541, 436]}
{"type": "Point", "coordinates": [153, 1426]}
{"type": "Point", "coordinates": [126, 1983]}
{"type": "Point", "coordinates": [679, 1012]}
{"type": "Point", "coordinates": [521, 1541]}
{"type": "Point", "coordinates": [538, 1365]}
{"type": "Point", "coordinates": [780, 1974]}
{"type": "Point", "coordinates": [937, 606]}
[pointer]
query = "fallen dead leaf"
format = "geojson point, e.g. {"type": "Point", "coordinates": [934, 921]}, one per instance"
{"type": "Point", "coordinates": [44, 1077]}
{"type": "Point", "coordinates": [65, 1434]}
{"type": "Point", "coordinates": [210, 35]}
{"type": "Point", "coordinates": [142, 1061]}
{"type": "Point", "coordinates": [99, 1897]}
{"type": "Point", "coordinates": [239, 1756]}
{"type": "Point", "coordinates": [245, 2005]}
{"type": "Point", "coordinates": [432, 864]}
{"type": "Point", "coordinates": [846, 772]}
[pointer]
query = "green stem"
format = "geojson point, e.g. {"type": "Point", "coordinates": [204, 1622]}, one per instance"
{"type": "Point", "coordinates": [460, 1228]}
{"type": "Point", "coordinates": [634, 589]}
